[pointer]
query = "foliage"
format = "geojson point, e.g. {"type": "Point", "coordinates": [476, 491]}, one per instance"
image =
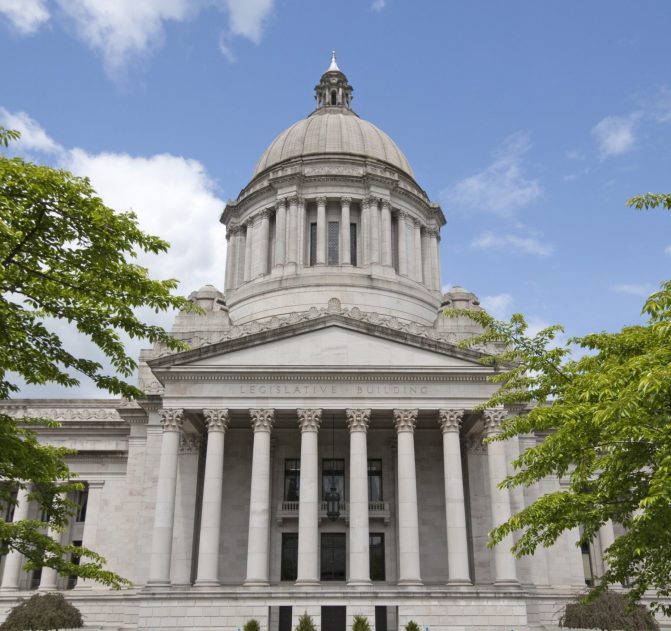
{"type": "Point", "coordinates": [48, 611]}
{"type": "Point", "coordinates": [608, 610]}
{"type": "Point", "coordinates": [606, 421]}
{"type": "Point", "coordinates": [252, 625]}
{"type": "Point", "coordinates": [64, 256]}
{"type": "Point", "coordinates": [412, 626]}
{"type": "Point", "coordinates": [360, 623]}
{"type": "Point", "coordinates": [305, 623]}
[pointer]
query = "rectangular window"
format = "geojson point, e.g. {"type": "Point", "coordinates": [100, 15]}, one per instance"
{"type": "Point", "coordinates": [72, 579]}
{"type": "Point", "coordinates": [333, 474]}
{"type": "Point", "coordinates": [333, 243]}
{"type": "Point", "coordinates": [82, 500]}
{"type": "Point", "coordinates": [289, 570]}
{"type": "Point", "coordinates": [352, 244]}
{"type": "Point", "coordinates": [313, 244]}
{"type": "Point", "coordinates": [285, 618]}
{"type": "Point", "coordinates": [292, 480]}
{"type": "Point", "coordinates": [333, 557]}
{"type": "Point", "coordinates": [9, 509]}
{"type": "Point", "coordinates": [376, 556]}
{"type": "Point", "coordinates": [375, 480]}
{"type": "Point", "coordinates": [587, 564]}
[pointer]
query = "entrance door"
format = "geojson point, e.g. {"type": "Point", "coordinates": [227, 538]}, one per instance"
{"type": "Point", "coordinates": [334, 618]}
{"type": "Point", "coordinates": [333, 557]}
{"type": "Point", "coordinates": [285, 618]}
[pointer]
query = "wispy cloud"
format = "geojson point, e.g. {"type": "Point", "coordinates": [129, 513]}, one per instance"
{"type": "Point", "coordinates": [33, 136]}
{"type": "Point", "coordinates": [642, 290]}
{"type": "Point", "coordinates": [616, 135]}
{"type": "Point", "coordinates": [25, 16]}
{"type": "Point", "coordinates": [499, 305]}
{"type": "Point", "coordinates": [512, 243]}
{"type": "Point", "coordinates": [667, 250]}
{"type": "Point", "coordinates": [125, 30]}
{"type": "Point", "coordinates": [502, 187]}
{"type": "Point", "coordinates": [378, 5]}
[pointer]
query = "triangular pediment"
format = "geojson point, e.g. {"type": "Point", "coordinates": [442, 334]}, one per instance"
{"type": "Point", "coordinates": [329, 342]}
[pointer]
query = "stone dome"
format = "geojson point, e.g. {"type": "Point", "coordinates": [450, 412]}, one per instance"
{"type": "Point", "coordinates": [333, 130]}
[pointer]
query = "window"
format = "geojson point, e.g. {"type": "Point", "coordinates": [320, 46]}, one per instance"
{"type": "Point", "coordinates": [333, 473]}
{"type": "Point", "coordinates": [82, 500]}
{"type": "Point", "coordinates": [334, 97]}
{"type": "Point", "coordinates": [333, 556]}
{"type": "Point", "coordinates": [375, 480]}
{"type": "Point", "coordinates": [313, 243]}
{"type": "Point", "coordinates": [587, 564]}
{"type": "Point", "coordinates": [352, 244]}
{"type": "Point", "coordinates": [376, 556]}
{"type": "Point", "coordinates": [9, 509]}
{"type": "Point", "coordinates": [333, 243]}
{"type": "Point", "coordinates": [292, 480]}
{"type": "Point", "coordinates": [72, 580]}
{"type": "Point", "coordinates": [289, 570]}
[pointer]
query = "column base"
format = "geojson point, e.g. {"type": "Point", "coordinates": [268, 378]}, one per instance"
{"type": "Point", "coordinates": [359, 582]}
{"type": "Point", "coordinates": [410, 582]}
{"type": "Point", "coordinates": [507, 582]}
{"type": "Point", "coordinates": [459, 582]}
{"type": "Point", "coordinates": [307, 582]}
{"type": "Point", "coordinates": [256, 582]}
{"type": "Point", "coordinates": [206, 583]}
{"type": "Point", "coordinates": [47, 589]}
{"type": "Point", "coordinates": [9, 589]}
{"type": "Point", "coordinates": [157, 583]}
{"type": "Point", "coordinates": [82, 587]}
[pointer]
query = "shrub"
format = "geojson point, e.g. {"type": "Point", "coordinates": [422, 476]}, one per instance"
{"type": "Point", "coordinates": [48, 611]}
{"type": "Point", "coordinates": [305, 623]}
{"type": "Point", "coordinates": [412, 626]}
{"type": "Point", "coordinates": [252, 625]}
{"type": "Point", "coordinates": [609, 610]}
{"type": "Point", "coordinates": [360, 624]}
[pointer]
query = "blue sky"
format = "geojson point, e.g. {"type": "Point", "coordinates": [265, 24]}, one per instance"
{"type": "Point", "coordinates": [530, 122]}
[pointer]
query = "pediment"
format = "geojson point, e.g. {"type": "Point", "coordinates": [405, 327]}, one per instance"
{"type": "Point", "coordinates": [332, 342]}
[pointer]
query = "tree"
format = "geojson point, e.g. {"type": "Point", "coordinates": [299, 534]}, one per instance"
{"type": "Point", "coordinates": [64, 256]}
{"type": "Point", "coordinates": [606, 418]}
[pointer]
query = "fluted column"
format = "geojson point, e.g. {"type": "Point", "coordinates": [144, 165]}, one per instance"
{"type": "Point", "coordinates": [427, 270]}
{"type": "Point", "coordinates": [345, 245]}
{"type": "Point", "coordinates": [309, 421]}
{"type": "Point", "coordinates": [161, 548]}
{"type": "Point", "coordinates": [402, 244]}
{"type": "Point", "coordinates": [230, 259]}
{"type": "Point", "coordinates": [249, 240]}
{"type": "Point", "coordinates": [365, 232]}
{"type": "Point", "coordinates": [239, 261]}
{"type": "Point", "coordinates": [385, 230]}
{"type": "Point", "coordinates": [321, 230]}
{"type": "Point", "coordinates": [259, 498]}
{"type": "Point", "coordinates": [408, 523]}
{"type": "Point", "coordinates": [300, 231]}
{"type": "Point", "coordinates": [14, 559]}
{"type": "Point", "coordinates": [280, 232]}
{"type": "Point", "coordinates": [49, 576]}
{"type": "Point", "coordinates": [358, 421]}
{"type": "Point", "coordinates": [90, 534]}
{"type": "Point", "coordinates": [606, 539]}
{"type": "Point", "coordinates": [434, 235]}
{"type": "Point", "coordinates": [264, 242]}
{"type": "Point", "coordinates": [455, 513]}
{"type": "Point", "coordinates": [416, 249]}
{"type": "Point", "coordinates": [504, 561]}
{"type": "Point", "coordinates": [216, 420]}
{"type": "Point", "coordinates": [374, 230]}
{"type": "Point", "coordinates": [292, 230]}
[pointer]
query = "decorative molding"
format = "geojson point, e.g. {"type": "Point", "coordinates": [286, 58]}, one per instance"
{"type": "Point", "coordinates": [358, 419]}
{"type": "Point", "coordinates": [281, 202]}
{"type": "Point", "coordinates": [309, 419]}
{"type": "Point", "coordinates": [216, 419]}
{"type": "Point", "coordinates": [385, 203]}
{"type": "Point", "coordinates": [262, 419]}
{"type": "Point", "coordinates": [64, 415]}
{"type": "Point", "coordinates": [405, 420]}
{"type": "Point", "coordinates": [172, 419]}
{"type": "Point", "coordinates": [450, 419]}
{"type": "Point", "coordinates": [321, 201]}
{"type": "Point", "coordinates": [189, 444]}
{"type": "Point", "coordinates": [345, 201]}
{"type": "Point", "coordinates": [292, 200]}
{"type": "Point", "coordinates": [493, 419]}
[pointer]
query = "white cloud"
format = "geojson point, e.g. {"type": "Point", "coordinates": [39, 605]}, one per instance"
{"type": "Point", "coordinates": [248, 17]}
{"type": "Point", "coordinates": [26, 16]}
{"type": "Point", "coordinates": [642, 290]}
{"type": "Point", "coordinates": [33, 136]}
{"type": "Point", "coordinates": [512, 243]}
{"type": "Point", "coordinates": [667, 250]}
{"type": "Point", "coordinates": [502, 187]}
{"type": "Point", "coordinates": [378, 5]}
{"type": "Point", "coordinates": [499, 305]}
{"type": "Point", "coordinates": [616, 135]}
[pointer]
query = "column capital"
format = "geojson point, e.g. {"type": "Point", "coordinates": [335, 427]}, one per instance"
{"type": "Point", "coordinates": [262, 419]}
{"type": "Point", "coordinates": [385, 203]}
{"type": "Point", "coordinates": [234, 229]}
{"type": "Point", "coordinates": [433, 233]}
{"type": "Point", "coordinates": [281, 201]}
{"type": "Point", "coordinates": [292, 200]}
{"type": "Point", "coordinates": [189, 444]}
{"type": "Point", "coordinates": [309, 419]}
{"type": "Point", "coordinates": [345, 201]}
{"type": "Point", "coordinates": [263, 213]}
{"type": "Point", "coordinates": [358, 419]}
{"type": "Point", "coordinates": [216, 419]}
{"type": "Point", "coordinates": [405, 420]}
{"type": "Point", "coordinates": [321, 200]}
{"type": "Point", "coordinates": [493, 419]}
{"type": "Point", "coordinates": [403, 215]}
{"type": "Point", "coordinates": [450, 419]}
{"type": "Point", "coordinates": [172, 419]}
{"type": "Point", "coordinates": [372, 200]}
{"type": "Point", "coordinates": [417, 223]}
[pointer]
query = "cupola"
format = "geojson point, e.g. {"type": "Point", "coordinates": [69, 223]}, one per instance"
{"type": "Point", "coordinates": [333, 90]}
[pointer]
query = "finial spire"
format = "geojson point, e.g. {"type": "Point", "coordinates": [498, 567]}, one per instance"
{"type": "Point", "coordinates": [334, 65]}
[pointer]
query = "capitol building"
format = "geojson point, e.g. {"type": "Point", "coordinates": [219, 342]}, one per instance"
{"type": "Point", "coordinates": [317, 448]}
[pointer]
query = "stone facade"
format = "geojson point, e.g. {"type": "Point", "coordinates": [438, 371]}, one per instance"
{"type": "Point", "coordinates": [317, 448]}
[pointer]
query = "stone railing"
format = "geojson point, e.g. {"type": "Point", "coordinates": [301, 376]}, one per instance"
{"type": "Point", "coordinates": [289, 510]}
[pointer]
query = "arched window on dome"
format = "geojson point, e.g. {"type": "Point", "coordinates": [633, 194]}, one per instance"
{"type": "Point", "coordinates": [334, 97]}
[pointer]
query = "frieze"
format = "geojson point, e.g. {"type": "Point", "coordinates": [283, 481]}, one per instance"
{"type": "Point", "coordinates": [64, 415]}
{"type": "Point", "coordinates": [332, 170]}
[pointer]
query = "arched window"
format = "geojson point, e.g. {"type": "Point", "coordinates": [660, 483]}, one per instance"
{"type": "Point", "coordinates": [333, 97]}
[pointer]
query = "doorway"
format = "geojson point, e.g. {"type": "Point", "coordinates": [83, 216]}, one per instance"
{"type": "Point", "coordinates": [334, 618]}
{"type": "Point", "coordinates": [333, 556]}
